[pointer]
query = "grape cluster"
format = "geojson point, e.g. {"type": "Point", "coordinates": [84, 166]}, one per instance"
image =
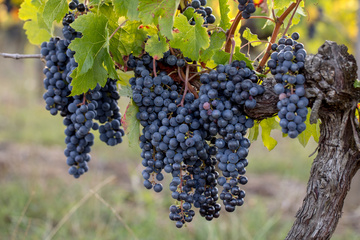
{"type": "Point", "coordinates": [79, 139]}
{"type": "Point", "coordinates": [56, 71]}
{"type": "Point", "coordinates": [80, 111]}
{"type": "Point", "coordinates": [198, 6]}
{"type": "Point", "coordinates": [247, 7]}
{"type": "Point", "coordinates": [188, 137]}
{"type": "Point", "coordinates": [108, 112]}
{"type": "Point", "coordinates": [287, 66]}
{"type": "Point", "coordinates": [222, 94]}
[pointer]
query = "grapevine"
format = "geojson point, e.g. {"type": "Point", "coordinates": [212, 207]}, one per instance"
{"type": "Point", "coordinates": [189, 84]}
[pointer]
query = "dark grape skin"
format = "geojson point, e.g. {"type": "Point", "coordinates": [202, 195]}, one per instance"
{"type": "Point", "coordinates": [288, 72]}
{"type": "Point", "coordinates": [79, 112]}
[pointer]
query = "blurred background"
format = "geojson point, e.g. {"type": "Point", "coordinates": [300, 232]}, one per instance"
{"type": "Point", "coordinates": [40, 200]}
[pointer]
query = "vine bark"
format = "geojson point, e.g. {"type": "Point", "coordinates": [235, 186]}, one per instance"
{"type": "Point", "coordinates": [330, 75]}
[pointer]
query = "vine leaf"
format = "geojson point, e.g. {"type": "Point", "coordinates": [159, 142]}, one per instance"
{"type": "Point", "coordinates": [54, 10]}
{"type": "Point", "coordinates": [190, 39]}
{"type": "Point", "coordinates": [126, 8]}
{"type": "Point", "coordinates": [159, 12]}
{"type": "Point", "coordinates": [92, 53]}
{"type": "Point", "coordinates": [241, 57]}
{"type": "Point", "coordinates": [35, 28]}
{"type": "Point", "coordinates": [131, 124]}
{"type": "Point", "coordinates": [131, 38]}
{"type": "Point", "coordinates": [224, 17]}
{"type": "Point", "coordinates": [222, 57]}
{"type": "Point", "coordinates": [124, 77]}
{"type": "Point", "coordinates": [156, 45]}
{"type": "Point", "coordinates": [281, 4]}
{"type": "Point", "coordinates": [266, 126]}
{"type": "Point", "coordinates": [251, 37]}
{"type": "Point", "coordinates": [254, 132]}
{"type": "Point", "coordinates": [217, 40]}
{"type": "Point", "coordinates": [311, 130]}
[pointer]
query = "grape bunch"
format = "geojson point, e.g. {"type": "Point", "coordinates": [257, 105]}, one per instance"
{"type": "Point", "coordinates": [222, 94]}
{"type": "Point", "coordinates": [189, 137]}
{"type": "Point", "coordinates": [198, 6]}
{"type": "Point", "coordinates": [56, 71]}
{"type": "Point", "coordinates": [287, 66]}
{"type": "Point", "coordinates": [247, 7]}
{"type": "Point", "coordinates": [80, 111]}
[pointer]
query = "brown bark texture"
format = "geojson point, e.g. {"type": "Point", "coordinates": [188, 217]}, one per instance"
{"type": "Point", "coordinates": [330, 76]}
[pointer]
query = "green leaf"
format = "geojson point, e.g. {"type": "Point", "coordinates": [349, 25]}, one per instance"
{"type": "Point", "coordinates": [241, 57]}
{"type": "Point", "coordinates": [217, 40]}
{"type": "Point", "coordinates": [35, 28]}
{"type": "Point", "coordinates": [156, 45]}
{"type": "Point", "coordinates": [189, 13]}
{"type": "Point", "coordinates": [160, 12]}
{"type": "Point", "coordinates": [125, 91]}
{"type": "Point", "coordinates": [131, 38]}
{"type": "Point", "coordinates": [357, 83]}
{"type": "Point", "coordinates": [92, 53]}
{"type": "Point", "coordinates": [224, 14]}
{"type": "Point", "coordinates": [190, 39]}
{"type": "Point", "coordinates": [131, 124]}
{"type": "Point", "coordinates": [251, 37]}
{"type": "Point", "coordinates": [54, 10]}
{"type": "Point", "coordinates": [124, 77]}
{"type": "Point", "coordinates": [126, 8]}
{"type": "Point", "coordinates": [266, 126]}
{"type": "Point", "coordinates": [311, 130]}
{"type": "Point", "coordinates": [280, 4]}
{"type": "Point", "coordinates": [221, 57]}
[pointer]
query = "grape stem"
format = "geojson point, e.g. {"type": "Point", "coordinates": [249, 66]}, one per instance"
{"type": "Point", "coordinates": [183, 77]}
{"type": "Point", "coordinates": [261, 17]}
{"type": "Point", "coordinates": [186, 85]}
{"type": "Point", "coordinates": [154, 67]}
{"type": "Point", "coordinates": [231, 31]}
{"type": "Point", "coordinates": [232, 50]}
{"type": "Point", "coordinates": [291, 18]}
{"type": "Point", "coordinates": [196, 74]}
{"type": "Point", "coordinates": [117, 29]}
{"type": "Point", "coordinates": [262, 41]}
{"type": "Point", "coordinates": [279, 22]}
{"type": "Point", "coordinates": [18, 56]}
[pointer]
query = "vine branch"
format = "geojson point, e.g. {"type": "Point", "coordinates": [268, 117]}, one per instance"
{"type": "Point", "coordinates": [279, 22]}
{"type": "Point", "coordinates": [18, 56]}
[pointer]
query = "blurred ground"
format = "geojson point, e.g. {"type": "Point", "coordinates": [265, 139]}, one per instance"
{"type": "Point", "coordinates": [38, 198]}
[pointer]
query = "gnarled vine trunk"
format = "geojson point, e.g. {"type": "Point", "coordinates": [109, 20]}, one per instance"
{"type": "Point", "coordinates": [330, 78]}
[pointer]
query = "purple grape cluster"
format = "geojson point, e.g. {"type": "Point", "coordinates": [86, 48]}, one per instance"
{"type": "Point", "coordinates": [287, 66]}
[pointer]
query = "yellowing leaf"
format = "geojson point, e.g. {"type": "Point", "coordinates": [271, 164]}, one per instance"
{"type": "Point", "coordinates": [251, 37]}
{"type": "Point", "coordinates": [35, 27]}
{"type": "Point", "coordinates": [156, 46]}
{"type": "Point", "coordinates": [266, 126]}
{"type": "Point", "coordinates": [311, 130]}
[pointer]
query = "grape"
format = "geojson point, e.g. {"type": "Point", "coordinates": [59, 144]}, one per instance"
{"type": "Point", "coordinates": [247, 7]}
{"type": "Point", "coordinates": [288, 72]}
{"type": "Point", "coordinates": [195, 4]}
{"type": "Point", "coordinates": [80, 111]}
